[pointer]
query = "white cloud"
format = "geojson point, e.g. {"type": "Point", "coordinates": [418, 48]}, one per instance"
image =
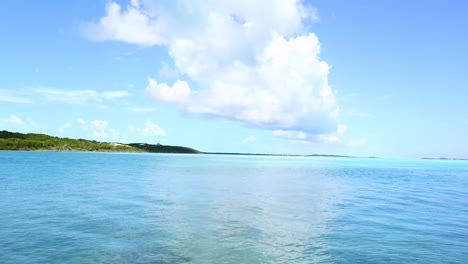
{"type": "Point", "coordinates": [250, 139]}
{"type": "Point", "coordinates": [150, 132]}
{"type": "Point", "coordinates": [179, 93]}
{"type": "Point", "coordinates": [9, 97]}
{"type": "Point", "coordinates": [99, 124]}
{"type": "Point", "coordinates": [264, 71]}
{"type": "Point", "coordinates": [168, 72]}
{"type": "Point", "coordinates": [100, 129]}
{"type": "Point", "coordinates": [114, 95]}
{"type": "Point", "coordinates": [142, 109]}
{"type": "Point", "coordinates": [338, 137]}
{"type": "Point", "coordinates": [18, 123]}
{"type": "Point", "coordinates": [81, 121]}
{"type": "Point", "coordinates": [76, 96]}
{"type": "Point", "coordinates": [133, 25]}
{"type": "Point", "coordinates": [64, 127]}
{"type": "Point", "coordinates": [334, 138]}
{"type": "Point", "coordinates": [285, 88]}
{"type": "Point", "coordinates": [153, 129]}
{"type": "Point", "coordinates": [312, 13]}
{"type": "Point", "coordinates": [45, 94]}
{"type": "Point", "coordinates": [66, 96]}
{"type": "Point", "coordinates": [341, 129]}
{"type": "Point", "coordinates": [14, 119]}
{"type": "Point", "coordinates": [328, 138]}
{"type": "Point", "coordinates": [291, 134]}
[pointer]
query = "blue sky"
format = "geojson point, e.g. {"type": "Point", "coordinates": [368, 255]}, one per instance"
{"type": "Point", "coordinates": [381, 78]}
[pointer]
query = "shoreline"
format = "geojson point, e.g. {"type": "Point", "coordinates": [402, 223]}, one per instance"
{"type": "Point", "coordinates": [198, 153]}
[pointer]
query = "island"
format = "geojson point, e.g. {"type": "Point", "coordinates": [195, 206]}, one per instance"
{"type": "Point", "coordinates": [444, 158]}
{"type": "Point", "coordinates": [42, 142]}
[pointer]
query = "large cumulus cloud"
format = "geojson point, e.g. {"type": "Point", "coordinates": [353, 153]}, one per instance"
{"type": "Point", "coordinates": [251, 61]}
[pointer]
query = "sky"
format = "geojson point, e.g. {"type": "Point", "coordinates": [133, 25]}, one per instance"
{"type": "Point", "coordinates": [368, 78]}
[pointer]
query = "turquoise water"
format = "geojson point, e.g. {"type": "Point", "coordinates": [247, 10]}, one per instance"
{"type": "Point", "coordinates": [148, 208]}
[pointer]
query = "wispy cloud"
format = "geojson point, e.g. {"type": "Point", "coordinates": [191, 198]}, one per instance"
{"type": "Point", "coordinates": [45, 95]}
{"type": "Point", "coordinates": [142, 109]}
{"type": "Point", "coordinates": [14, 119]}
{"type": "Point", "coordinates": [114, 95]}
{"type": "Point", "coordinates": [291, 134]}
{"type": "Point", "coordinates": [168, 72]}
{"type": "Point", "coordinates": [150, 132]}
{"type": "Point", "coordinates": [9, 97]}
{"type": "Point", "coordinates": [17, 123]}
{"type": "Point", "coordinates": [99, 129]}
{"type": "Point", "coordinates": [249, 139]}
{"type": "Point", "coordinates": [64, 127]}
{"type": "Point", "coordinates": [81, 121]}
{"type": "Point", "coordinates": [339, 138]}
{"type": "Point", "coordinates": [356, 113]}
{"type": "Point", "coordinates": [153, 129]}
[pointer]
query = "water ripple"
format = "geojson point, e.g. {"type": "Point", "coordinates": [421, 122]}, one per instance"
{"type": "Point", "coordinates": [121, 208]}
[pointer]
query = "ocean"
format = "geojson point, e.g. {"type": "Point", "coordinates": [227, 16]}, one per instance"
{"type": "Point", "coordinates": [160, 208]}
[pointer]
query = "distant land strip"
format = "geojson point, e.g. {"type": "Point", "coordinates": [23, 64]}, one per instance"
{"type": "Point", "coordinates": [282, 155]}
{"type": "Point", "coordinates": [442, 158]}
{"type": "Point", "coordinates": [42, 142]}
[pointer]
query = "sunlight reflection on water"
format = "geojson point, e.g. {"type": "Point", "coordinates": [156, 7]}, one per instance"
{"type": "Point", "coordinates": [127, 208]}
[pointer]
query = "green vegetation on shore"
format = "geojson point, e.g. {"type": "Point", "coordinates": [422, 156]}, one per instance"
{"type": "Point", "coordinates": [42, 142]}
{"type": "Point", "coordinates": [158, 148]}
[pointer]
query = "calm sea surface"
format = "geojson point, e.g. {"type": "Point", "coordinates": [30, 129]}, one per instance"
{"type": "Point", "coordinates": [150, 208]}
